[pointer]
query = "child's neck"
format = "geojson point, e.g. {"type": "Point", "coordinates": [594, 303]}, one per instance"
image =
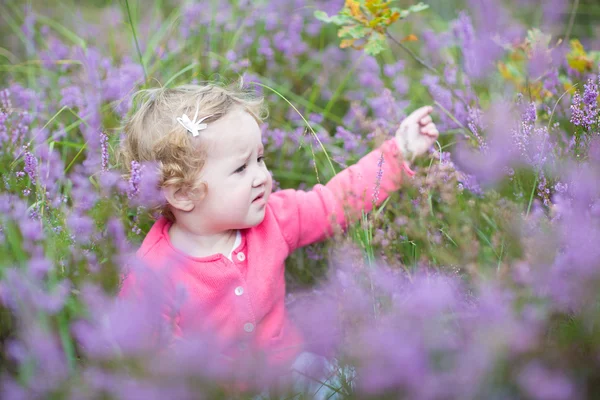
{"type": "Point", "coordinates": [198, 244]}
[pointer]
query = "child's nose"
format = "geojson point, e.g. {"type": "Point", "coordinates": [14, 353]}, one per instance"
{"type": "Point", "coordinates": [261, 177]}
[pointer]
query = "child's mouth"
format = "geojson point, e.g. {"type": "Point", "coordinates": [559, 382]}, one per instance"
{"type": "Point", "coordinates": [259, 197]}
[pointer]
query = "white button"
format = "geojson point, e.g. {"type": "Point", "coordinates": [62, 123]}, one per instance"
{"type": "Point", "coordinates": [248, 327]}
{"type": "Point", "coordinates": [241, 256]}
{"type": "Point", "coordinates": [239, 290]}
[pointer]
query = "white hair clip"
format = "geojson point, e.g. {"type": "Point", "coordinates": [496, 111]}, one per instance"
{"type": "Point", "coordinates": [193, 126]}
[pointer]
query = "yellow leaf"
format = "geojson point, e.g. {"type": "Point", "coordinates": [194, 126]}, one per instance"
{"type": "Point", "coordinates": [580, 63]}
{"type": "Point", "coordinates": [354, 7]}
{"type": "Point", "coordinates": [374, 5]}
{"type": "Point", "coordinates": [394, 17]}
{"type": "Point", "coordinates": [347, 43]}
{"type": "Point", "coordinates": [516, 56]}
{"type": "Point", "coordinates": [374, 22]}
{"type": "Point", "coordinates": [410, 38]}
{"type": "Point", "coordinates": [504, 71]}
{"type": "Point", "coordinates": [371, 6]}
{"type": "Point", "coordinates": [343, 30]}
{"type": "Point", "coordinates": [569, 87]}
{"type": "Point", "coordinates": [577, 47]}
{"type": "Point", "coordinates": [578, 58]}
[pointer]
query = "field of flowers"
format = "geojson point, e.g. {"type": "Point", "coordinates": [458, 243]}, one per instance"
{"type": "Point", "coordinates": [479, 279]}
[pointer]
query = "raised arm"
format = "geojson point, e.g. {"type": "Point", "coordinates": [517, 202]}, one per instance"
{"type": "Point", "coordinates": [305, 217]}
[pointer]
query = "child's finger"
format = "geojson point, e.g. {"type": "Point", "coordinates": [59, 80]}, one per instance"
{"type": "Point", "coordinates": [426, 120]}
{"type": "Point", "coordinates": [419, 113]}
{"type": "Point", "coordinates": [427, 127]}
{"type": "Point", "coordinates": [433, 133]}
{"type": "Point", "coordinates": [430, 130]}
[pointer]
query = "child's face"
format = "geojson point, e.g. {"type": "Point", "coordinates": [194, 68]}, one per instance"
{"type": "Point", "coordinates": [238, 181]}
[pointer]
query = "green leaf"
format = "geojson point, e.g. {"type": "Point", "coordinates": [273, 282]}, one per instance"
{"type": "Point", "coordinates": [339, 20]}
{"type": "Point", "coordinates": [322, 16]}
{"type": "Point", "coordinates": [375, 45]}
{"type": "Point", "coordinates": [354, 31]}
{"type": "Point", "coordinates": [342, 20]}
{"type": "Point", "coordinates": [418, 7]}
{"type": "Point", "coordinates": [412, 9]}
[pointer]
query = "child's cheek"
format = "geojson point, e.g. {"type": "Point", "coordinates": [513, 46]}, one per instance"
{"type": "Point", "coordinates": [269, 183]}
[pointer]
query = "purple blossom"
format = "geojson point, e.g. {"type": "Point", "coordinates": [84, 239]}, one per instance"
{"type": "Point", "coordinates": [275, 136]}
{"type": "Point", "coordinates": [350, 142]}
{"type": "Point", "coordinates": [135, 177]}
{"type": "Point", "coordinates": [543, 384]}
{"type": "Point", "coordinates": [479, 50]}
{"type": "Point", "coordinates": [539, 62]}
{"type": "Point", "coordinates": [577, 116]}
{"type": "Point", "coordinates": [56, 51]}
{"type": "Point", "coordinates": [530, 115]}
{"type": "Point", "coordinates": [31, 164]}
{"type": "Point", "coordinates": [50, 170]}
{"type": "Point", "coordinates": [590, 104]}
{"type": "Point", "coordinates": [120, 83]}
{"type": "Point", "coordinates": [31, 229]}
{"type": "Point", "coordinates": [104, 149]}
{"type": "Point", "coordinates": [71, 97]}
{"type": "Point", "coordinates": [26, 294]}
{"type": "Point", "coordinates": [83, 194]}
{"type": "Point", "coordinates": [143, 185]}
{"type": "Point", "coordinates": [492, 164]}
{"type": "Point", "coordinates": [378, 179]}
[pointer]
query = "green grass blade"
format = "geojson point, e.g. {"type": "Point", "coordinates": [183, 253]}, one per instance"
{"type": "Point", "coordinates": [135, 38]}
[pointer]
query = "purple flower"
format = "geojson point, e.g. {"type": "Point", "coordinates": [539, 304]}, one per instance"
{"type": "Point", "coordinates": [82, 227]}
{"type": "Point", "coordinates": [577, 116]}
{"type": "Point", "coordinates": [104, 148]}
{"type": "Point", "coordinates": [26, 294]}
{"type": "Point", "coordinates": [350, 141]}
{"type": "Point", "coordinates": [143, 188]}
{"type": "Point", "coordinates": [479, 50]}
{"type": "Point", "coordinates": [135, 177]}
{"type": "Point", "coordinates": [56, 51]}
{"type": "Point", "coordinates": [83, 194]}
{"type": "Point", "coordinates": [590, 103]}
{"type": "Point", "coordinates": [378, 179]}
{"type": "Point", "coordinates": [31, 164]}
{"type": "Point", "coordinates": [31, 229]}
{"type": "Point", "coordinates": [72, 97]}
{"type": "Point", "coordinates": [529, 115]}
{"type": "Point", "coordinates": [120, 83]}
{"type": "Point", "coordinates": [540, 62]}
{"type": "Point", "coordinates": [490, 165]}
{"type": "Point", "coordinates": [275, 136]}
{"type": "Point", "coordinates": [540, 383]}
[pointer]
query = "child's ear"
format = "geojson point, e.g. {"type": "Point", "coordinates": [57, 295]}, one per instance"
{"type": "Point", "coordinates": [184, 199]}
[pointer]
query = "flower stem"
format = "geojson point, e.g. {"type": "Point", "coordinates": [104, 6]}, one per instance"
{"type": "Point", "coordinates": [137, 44]}
{"type": "Point", "coordinates": [426, 65]}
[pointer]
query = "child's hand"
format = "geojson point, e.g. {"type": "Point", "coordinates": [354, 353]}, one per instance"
{"type": "Point", "coordinates": [416, 134]}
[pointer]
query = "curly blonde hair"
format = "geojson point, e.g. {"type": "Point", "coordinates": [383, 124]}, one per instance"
{"type": "Point", "coordinates": [152, 133]}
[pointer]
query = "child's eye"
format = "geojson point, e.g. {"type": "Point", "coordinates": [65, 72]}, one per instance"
{"type": "Point", "coordinates": [261, 159]}
{"type": "Point", "coordinates": [240, 169]}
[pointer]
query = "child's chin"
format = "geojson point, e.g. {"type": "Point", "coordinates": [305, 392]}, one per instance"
{"type": "Point", "coordinates": [259, 221]}
{"type": "Point", "coordinates": [255, 221]}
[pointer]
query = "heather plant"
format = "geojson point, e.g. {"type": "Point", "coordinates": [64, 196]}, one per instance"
{"type": "Point", "coordinates": [478, 279]}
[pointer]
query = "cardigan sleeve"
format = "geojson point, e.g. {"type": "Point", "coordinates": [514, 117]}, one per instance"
{"type": "Point", "coordinates": [305, 217]}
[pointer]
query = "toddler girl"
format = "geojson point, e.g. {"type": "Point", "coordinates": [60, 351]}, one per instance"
{"type": "Point", "coordinates": [223, 236]}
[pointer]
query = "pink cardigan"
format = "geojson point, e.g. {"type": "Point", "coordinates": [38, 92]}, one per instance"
{"type": "Point", "coordinates": [242, 301]}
